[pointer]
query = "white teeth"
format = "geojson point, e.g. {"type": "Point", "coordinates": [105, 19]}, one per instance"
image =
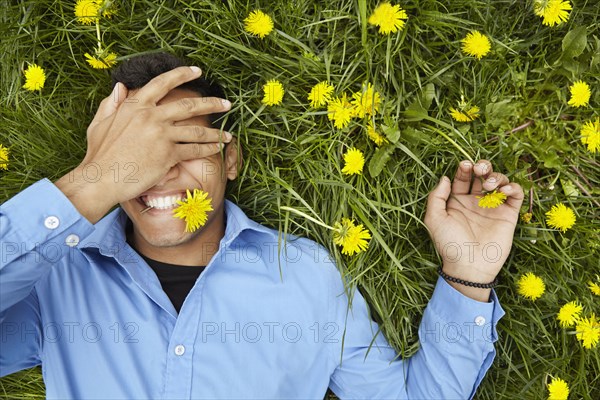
{"type": "Point", "coordinates": [163, 203]}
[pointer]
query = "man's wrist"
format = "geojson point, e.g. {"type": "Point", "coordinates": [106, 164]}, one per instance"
{"type": "Point", "coordinates": [88, 197]}
{"type": "Point", "coordinates": [460, 281]}
{"type": "Point", "coordinates": [471, 275]}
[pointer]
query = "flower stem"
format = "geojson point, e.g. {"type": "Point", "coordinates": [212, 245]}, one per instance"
{"type": "Point", "coordinates": [316, 221]}
{"type": "Point", "coordinates": [98, 35]}
{"type": "Point", "coordinates": [448, 138]}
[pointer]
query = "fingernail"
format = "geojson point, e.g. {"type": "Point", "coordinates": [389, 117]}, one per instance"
{"type": "Point", "coordinates": [445, 179]}
{"type": "Point", "coordinates": [228, 136]}
{"type": "Point", "coordinates": [466, 163]}
{"type": "Point", "coordinates": [195, 69]}
{"type": "Point", "coordinates": [226, 103]}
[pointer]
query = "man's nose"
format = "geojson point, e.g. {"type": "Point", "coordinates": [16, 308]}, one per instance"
{"type": "Point", "coordinates": [172, 174]}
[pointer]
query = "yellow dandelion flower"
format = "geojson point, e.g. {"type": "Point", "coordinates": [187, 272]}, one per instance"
{"type": "Point", "coordinates": [273, 93]}
{"type": "Point", "coordinates": [35, 77]}
{"type": "Point", "coordinates": [580, 94]}
{"type": "Point", "coordinates": [193, 209]}
{"type": "Point", "coordinates": [354, 162]}
{"type": "Point", "coordinates": [389, 18]}
{"type": "Point", "coordinates": [258, 24]}
{"type": "Point", "coordinates": [465, 116]}
{"type": "Point", "coordinates": [558, 389]}
{"type": "Point", "coordinates": [526, 217]}
{"type": "Point", "coordinates": [465, 112]}
{"type": "Point", "coordinates": [560, 217]}
{"type": "Point", "coordinates": [531, 286]}
{"type": "Point", "coordinates": [375, 136]}
{"type": "Point", "coordinates": [340, 111]}
{"type": "Point", "coordinates": [366, 102]}
{"type": "Point", "coordinates": [102, 61]}
{"type": "Point", "coordinates": [553, 12]}
{"type": "Point", "coordinates": [594, 287]}
{"type": "Point", "coordinates": [87, 11]}
{"type": "Point", "coordinates": [568, 314]}
{"type": "Point", "coordinates": [3, 157]}
{"type": "Point", "coordinates": [491, 200]}
{"type": "Point", "coordinates": [588, 331]}
{"type": "Point", "coordinates": [353, 238]}
{"type": "Point", "coordinates": [476, 44]}
{"type": "Point", "coordinates": [320, 94]}
{"type": "Point", "coordinates": [590, 135]}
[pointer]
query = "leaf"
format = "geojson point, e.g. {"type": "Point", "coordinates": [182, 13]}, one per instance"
{"type": "Point", "coordinates": [569, 188]}
{"type": "Point", "coordinates": [574, 43]}
{"type": "Point", "coordinates": [392, 133]}
{"type": "Point", "coordinates": [575, 67]}
{"type": "Point", "coordinates": [552, 160]}
{"type": "Point", "coordinates": [500, 113]}
{"type": "Point", "coordinates": [416, 137]}
{"type": "Point", "coordinates": [379, 159]}
{"type": "Point", "coordinates": [428, 96]}
{"type": "Point", "coordinates": [417, 110]}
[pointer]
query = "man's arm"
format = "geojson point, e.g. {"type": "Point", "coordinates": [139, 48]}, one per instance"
{"type": "Point", "coordinates": [36, 227]}
{"type": "Point", "coordinates": [473, 242]}
{"type": "Point", "coordinates": [43, 223]}
{"type": "Point", "coordinates": [133, 130]}
{"type": "Point", "coordinates": [457, 336]}
{"type": "Point", "coordinates": [459, 324]}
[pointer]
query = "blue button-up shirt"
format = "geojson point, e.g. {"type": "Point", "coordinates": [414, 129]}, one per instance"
{"type": "Point", "coordinates": [266, 318]}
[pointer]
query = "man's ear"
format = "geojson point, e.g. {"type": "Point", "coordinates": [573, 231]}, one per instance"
{"type": "Point", "coordinates": [233, 159]}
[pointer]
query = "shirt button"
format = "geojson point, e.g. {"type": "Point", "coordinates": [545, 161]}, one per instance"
{"type": "Point", "coordinates": [179, 349]}
{"type": "Point", "coordinates": [72, 240]}
{"type": "Point", "coordinates": [479, 320]}
{"type": "Point", "coordinates": [51, 222]}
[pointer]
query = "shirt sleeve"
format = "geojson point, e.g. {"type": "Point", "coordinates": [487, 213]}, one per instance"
{"type": "Point", "coordinates": [456, 334]}
{"type": "Point", "coordinates": [37, 228]}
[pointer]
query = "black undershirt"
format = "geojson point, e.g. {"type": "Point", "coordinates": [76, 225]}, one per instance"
{"type": "Point", "coordinates": [176, 280]}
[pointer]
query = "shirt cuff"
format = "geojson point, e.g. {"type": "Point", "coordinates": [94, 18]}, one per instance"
{"type": "Point", "coordinates": [453, 317]}
{"type": "Point", "coordinates": [42, 214]}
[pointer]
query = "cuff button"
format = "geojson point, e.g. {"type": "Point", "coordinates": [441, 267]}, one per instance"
{"type": "Point", "coordinates": [72, 240]}
{"type": "Point", "coordinates": [51, 222]}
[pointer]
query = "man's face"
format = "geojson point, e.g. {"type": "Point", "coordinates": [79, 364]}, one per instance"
{"type": "Point", "coordinates": [157, 227]}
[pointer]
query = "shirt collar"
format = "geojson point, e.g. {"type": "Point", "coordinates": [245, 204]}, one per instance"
{"type": "Point", "coordinates": [109, 232]}
{"type": "Point", "coordinates": [238, 221]}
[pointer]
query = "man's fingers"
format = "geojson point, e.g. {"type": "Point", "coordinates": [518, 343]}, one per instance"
{"type": "Point", "coordinates": [161, 85]}
{"type": "Point", "coordinates": [482, 169]}
{"type": "Point", "coordinates": [436, 202]}
{"type": "Point", "coordinates": [462, 178]}
{"type": "Point", "coordinates": [514, 193]}
{"type": "Point", "coordinates": [189, 107]}
{"type": "Point", "coordinates": [494, 181]}
{"type": "Point", "coordinates": [199, 134]}
{"type": "Point", "coordinates": [110, 104]}
{"type": "Point", "coordinates": [193, 151]}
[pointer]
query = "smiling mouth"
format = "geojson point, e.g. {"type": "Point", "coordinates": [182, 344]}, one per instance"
{"type": "Point", "coordinates": [161, 202]}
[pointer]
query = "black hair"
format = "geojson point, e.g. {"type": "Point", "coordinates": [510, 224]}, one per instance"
{"type": "Point", "coordinates": [137, 71]}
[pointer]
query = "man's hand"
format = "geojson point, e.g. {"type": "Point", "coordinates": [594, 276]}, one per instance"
{"type": "Point", "coordinates": [474, 242]}
{"type": "Point", "coordinates": [139, 135]}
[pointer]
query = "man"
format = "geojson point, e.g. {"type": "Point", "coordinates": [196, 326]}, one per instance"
{"type": "Point", "coordinates": [131, 306]}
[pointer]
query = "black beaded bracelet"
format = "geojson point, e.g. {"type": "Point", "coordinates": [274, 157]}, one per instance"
{"type": "Point", "coordinates": [467, 283]}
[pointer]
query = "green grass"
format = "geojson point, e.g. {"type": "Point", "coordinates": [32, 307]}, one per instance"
{"type": "Point", "coordinates": [293, 155]}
